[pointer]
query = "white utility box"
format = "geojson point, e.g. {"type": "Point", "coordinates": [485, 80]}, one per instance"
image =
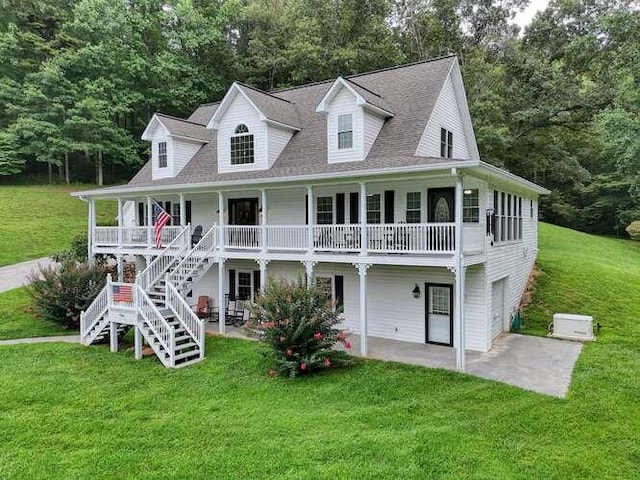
{"type": "Point", "coordinates": [572, 327]}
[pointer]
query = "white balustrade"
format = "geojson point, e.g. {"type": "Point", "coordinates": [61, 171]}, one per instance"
{"type": "Point", "coordinates": [411, 238]}
{"type": "Point", "coordinates": [90, 317]}
{"type": "Point", "coordinates": [105, 236]}
{"type": "Point", "coordinates": [242, 236]}
{"type": "Point", "coordinates": [135, 236]}
{"type": "Point", "coordinates": [287, 237]}
{"type": "Point", "coordinates": [336, 238]}
{"type": "Point", "coordinates": [192, 260]}
{"type": "Point", "coordinates": [161, 330]}
{"type": "Point", "coordinates": [185, 315]}
{"type": "Point", "coordinates": [169, 257]}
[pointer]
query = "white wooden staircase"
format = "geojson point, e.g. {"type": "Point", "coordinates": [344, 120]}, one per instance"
{"type": "Point", "coordinates": [154, 305]}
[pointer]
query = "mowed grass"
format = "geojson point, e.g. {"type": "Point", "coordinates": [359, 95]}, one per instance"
{"type": "Point", "coordinates": [39, 220]}
{"type": "Point", "coordinates": [70, 411]}
{"type": "Point", "coordinates": [16, 320]}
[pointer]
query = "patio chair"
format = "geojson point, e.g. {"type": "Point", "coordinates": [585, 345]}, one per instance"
{"type": "Point", "coordinates": [203, 307]}
{"type": "Point", "coordinates": [196, 236]}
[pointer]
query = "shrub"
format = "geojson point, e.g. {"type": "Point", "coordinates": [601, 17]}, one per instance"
{"type": "Point", "coordinates": [633, 229]}
{"type": "Point", "coordinates": [298, 324]}
{"type": "Point", "coordinates": [60, 292]}
{"type": "Point", "coordinates": [77, 251]}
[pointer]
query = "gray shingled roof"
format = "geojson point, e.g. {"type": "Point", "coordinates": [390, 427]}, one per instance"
{"type": "Point", "coordinates": [273, 107]}
{"type": "Point", "coordinates": [184, 128]}
{"type": "Point", "coordinates": [370, 97]}
{"type": "Point", "coordinates": [410, 92]}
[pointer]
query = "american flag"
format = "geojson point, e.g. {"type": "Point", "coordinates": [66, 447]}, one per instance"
{"type": "Point", "coordinates": [122, 293]}
{"type": "Point", "coordinates": [162, 218]}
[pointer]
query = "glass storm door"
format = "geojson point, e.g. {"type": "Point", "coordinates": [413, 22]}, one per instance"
{"type": "Point", "coordinates": [439, 321]}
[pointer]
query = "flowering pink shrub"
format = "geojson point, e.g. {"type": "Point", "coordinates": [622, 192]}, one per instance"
{"type": "Point", "coordinates": [300, 327]}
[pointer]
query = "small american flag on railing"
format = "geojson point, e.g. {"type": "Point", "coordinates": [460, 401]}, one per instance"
{"type": "Point", "coordinates": [122, 293]}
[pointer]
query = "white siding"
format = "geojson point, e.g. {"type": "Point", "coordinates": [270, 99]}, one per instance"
{"type": "Point", "coordinates": [286, 206]}
{"type": "Point", "coordinates": [344, 103]}
{"type": "Point", "coordinates": [512, 261]}
{"type": "Point", "coordinates": [475, 311]}
{"type": "Point", "coordinates": [372, 125]}
{"type": "Point", "coordinates": [277, 139]}
{"type": "Point", "coordinates": [183, 151]}
{"type": "Point", "coordinates": [446, 114]}
{"type": "Point", "coordinates": [241, 111]}
{"type": "Point", "coordinates": [161, 135]}
{"type": "Point", "coordinates": [204, 210]}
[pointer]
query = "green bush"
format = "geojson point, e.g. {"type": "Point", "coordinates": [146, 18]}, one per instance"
{"type": "Point", "coordinates": [299, 325]}
{"type": "Point", "coordinates": [60, 292]}
{"type": "Point", "coordinates": [77, 251]}
{"type": "Point", "coordinates": [633, 229]}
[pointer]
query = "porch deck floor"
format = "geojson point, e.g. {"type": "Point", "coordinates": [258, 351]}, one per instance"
{"type": "Point", "coordinates": [542, 365]}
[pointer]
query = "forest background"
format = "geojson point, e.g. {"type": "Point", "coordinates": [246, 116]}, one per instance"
{"type": "Point", "coordinates": [557, 102]}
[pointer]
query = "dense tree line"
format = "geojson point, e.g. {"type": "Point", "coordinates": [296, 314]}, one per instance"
{"type": "Point", "coordinates": [558, 103]}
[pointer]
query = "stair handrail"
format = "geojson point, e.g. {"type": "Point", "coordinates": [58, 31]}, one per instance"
{"type": "Point", "coordinates": [92, 315]}
{"type": "Point", "coordinates": [159, 266]}
{"type": "Point", "coordinates": [160, 328]}
{"type": "Point", "coordinates": [207, 243]}
{"type": "Point", "coordinates": [185, 315]}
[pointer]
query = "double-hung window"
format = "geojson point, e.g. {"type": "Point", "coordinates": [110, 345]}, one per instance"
{"type": "Point", "coordinates": [242, 146]}
{"type": "Point", "coordinates": [470, 206]}
{"type": "Point", "coordinates": [446, 143]}
{"type": "Point", "coordinates": [345, 131]}
{"type": "Point", "coordinates": [324, 210]}
{"type": "Point", "coordinates": [413, 207]}
{"type": "Point", "coordinates": [374, 212]}
{"type": "Point", "coordinates": [162, 154]}
{"type": "Point", "coordinates": [244, 286]}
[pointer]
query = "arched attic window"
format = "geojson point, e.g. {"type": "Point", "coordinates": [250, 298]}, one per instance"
{"type": "Point", "coordinates": [241, 146]}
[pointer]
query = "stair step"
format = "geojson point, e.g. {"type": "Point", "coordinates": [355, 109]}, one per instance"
{"type": "Point", "coordinates": [184, 346]}
{"type": "Point", "coordinates": [188, 354]}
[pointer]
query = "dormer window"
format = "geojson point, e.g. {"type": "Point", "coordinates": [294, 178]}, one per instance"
{"type": "Point", "coordinates": [345, 131]}
{"type": "Point", "coordinates": [162, 154]}
{"type": "Point", "coordinates": [446, 143]}
{"type": "Point", "coordinates": [242, 146]}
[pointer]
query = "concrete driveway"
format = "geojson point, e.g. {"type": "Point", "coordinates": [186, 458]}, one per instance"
{"type": "Point", "coordinates": [543, 365]}
{"type": "Point", "coordinates": [14, 276]}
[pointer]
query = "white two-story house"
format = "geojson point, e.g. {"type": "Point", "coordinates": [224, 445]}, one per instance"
{"type": "Point", "coordinates": [369, 185]}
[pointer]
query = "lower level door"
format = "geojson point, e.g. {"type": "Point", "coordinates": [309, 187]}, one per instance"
{"type": "Point", "coordinates": [439, 314]}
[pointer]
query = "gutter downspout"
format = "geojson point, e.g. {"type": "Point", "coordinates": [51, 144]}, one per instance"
{"type": "Point", "coordinates": [460, 276]}
{"type": "Point", "coordinates": [91, 205]}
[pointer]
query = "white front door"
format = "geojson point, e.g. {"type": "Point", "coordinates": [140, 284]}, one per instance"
{"type": "Point", "coordinates": [439, 303]}
{"type": "Point", "coordinates": [497, 308]}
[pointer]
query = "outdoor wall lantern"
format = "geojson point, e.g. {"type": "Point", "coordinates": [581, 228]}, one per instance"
{"type": "Point", "coordinates": [416, 291]}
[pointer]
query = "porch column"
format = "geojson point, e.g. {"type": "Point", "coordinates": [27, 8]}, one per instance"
{"type": "Point", "coordinates": [460, 278]}
{"type": "Point", "coordinates": [150, 241]}
{"type": "Point", "coordinates": [263, 222]}
{"type": "Point", "coordinates": [90, 231]}
{"type": "Point", "coordinates": [119, 222]}
{"type": "Point", "coordinates": [363, 218]}
{"type": "Point", "coordinates": [310, 217]}
{"type": "Point", "coordinates": [183, 211]}
{"type": "Point", "coordinates": [308, 267]}
{"type": "Point", "coordinates": [362, 272]}
{"type": "Point", "coordinates": [221, 220]}
{"type": "Point", "coordinates": [137, 341]}
{"type": "Point", "coordinates": [221, 288]}
{"type": "Point", "coordinates": [263, 274]}
{"type": "Point", "coordinates": [120, 267]}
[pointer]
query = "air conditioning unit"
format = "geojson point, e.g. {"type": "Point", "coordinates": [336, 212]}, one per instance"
{"type": "Point", "coordinates": [572, 327]}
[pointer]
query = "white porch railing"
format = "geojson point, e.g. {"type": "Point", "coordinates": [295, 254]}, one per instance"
{"type": "Point", "coordinates": [185, 315]}
{"type": "Point", "coordinates": [94, 314]}
{"type": "Point", "coordinates": [287, 237]}
{"type": "Point", "coordinates": [336, 238]}
{"type": "Point", "coordinates": [164, 336]}
{"type": "Point", "coordinates": [180, 274]}
{"type": "Point", "coordinates": [411, 238]}
{"type": "Point", "coordinates": [242, 236]}
{"type": "Point", "coordinates": [169, 256]}
{"type": "Point", "coordinates": [132, 236]}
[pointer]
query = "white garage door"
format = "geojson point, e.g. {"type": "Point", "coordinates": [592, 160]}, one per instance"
{"type": "Point", "coordinates": [497, 308]}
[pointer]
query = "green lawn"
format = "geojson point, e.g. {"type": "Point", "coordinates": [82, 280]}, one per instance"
{"type": "Point", "coordinates": [40, 220]}
{"type": "Point", "coordinates": [17, 322]}
{"type": "Point", "coordinates": [70, 411]}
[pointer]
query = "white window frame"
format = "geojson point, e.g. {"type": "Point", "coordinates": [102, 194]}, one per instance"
{"type": "Point", "coordinates": [469, 209]}
{"type": "Point", "coordinates": [325, 212]}
{"type": "Point", "coordinates": [251, 285]}
{"type": "Point", "coordinates": [162, 155]}
{"type": "Point", "coordinates": [371, 211]}
{"type": "Point", "coordinates": [446, 143]}
{"type": "Point", "coordinates": [413, 210]}
{"type": "Point", "coordinates": [246, 153]}
{"type": "Point", "coordinates": [332, 283]}
{"type": "Point", "coordinates": [345, 131]}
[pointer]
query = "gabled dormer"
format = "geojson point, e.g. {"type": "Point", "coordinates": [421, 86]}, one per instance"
{"type": "Point", "coordinates": [449, 132]}
{"type": "Point", "coordinates": [355, 116]}
{"type": "Point", "coordinates": [173, 143]}
{"type": "Point", "coordinates": [252, 128]}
